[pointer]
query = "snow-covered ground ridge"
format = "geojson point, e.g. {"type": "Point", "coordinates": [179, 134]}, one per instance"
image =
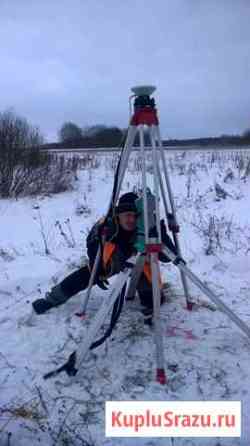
{"type": "Point", "coordinates": [42, 239]}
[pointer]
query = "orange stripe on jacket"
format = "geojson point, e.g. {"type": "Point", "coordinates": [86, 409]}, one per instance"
{"type": "Point", "coordinates": [148, 273]}
{"type": "Point", "coordinates": [108, 250]}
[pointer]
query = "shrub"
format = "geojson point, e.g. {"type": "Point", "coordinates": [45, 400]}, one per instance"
{"type": "Point", "coordinates": [26, 168]}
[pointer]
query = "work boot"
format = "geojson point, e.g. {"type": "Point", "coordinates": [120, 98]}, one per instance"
{"type": "Point", "coordinates": [57, 296]}
{"type": "Point", "coordinates": [41, 306]}
{"type": "Point", "coordinates": [148, 315]}
{"type": "Point", "coordinates": [147, 311]}
{"type": "Point", "coordinates": [130, 297]}
{"type": "Point", "coordinates": [53, 298]}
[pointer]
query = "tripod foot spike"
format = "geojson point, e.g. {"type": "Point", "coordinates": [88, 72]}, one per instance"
{"type": "Point", "coordinates": [161, 376]}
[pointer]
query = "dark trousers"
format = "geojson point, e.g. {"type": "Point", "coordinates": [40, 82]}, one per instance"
{"type": "Point", "coordinates": [79, 280]}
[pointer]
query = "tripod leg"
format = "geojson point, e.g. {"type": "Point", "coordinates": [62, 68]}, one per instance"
{"type": "Point", "coordinates": [156, 182]}
{"type": "Point", "coordinates": [161, 377]}
{"type": "Point", "coordinates": [173, 210]}
{"type": "Point", "coordinates": [90, 285]}
{"type": "Point", "coordinates": [144, 184]}
{"type": "Point", "coordinates": [223, 307]}
{"type": "Point", "coordinates": [135, 276]}
{"type": "Point", "coordinates": [121, 279]}
{"type": "Point", "coordinates": [132, 130]}
{"type": "Point", "coordinates": [160, 371]}
{"type": "Point", "coordinates": [76, 358]}
{"type": "Point", "coordinates": [128, 147]}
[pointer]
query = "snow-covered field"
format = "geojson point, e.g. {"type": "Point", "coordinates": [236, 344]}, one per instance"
{"type": "Point", "coordinates": [42, 239]}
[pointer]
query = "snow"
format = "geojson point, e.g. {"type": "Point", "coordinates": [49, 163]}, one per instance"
{"type": "Point", "coordinates": [207, 356]}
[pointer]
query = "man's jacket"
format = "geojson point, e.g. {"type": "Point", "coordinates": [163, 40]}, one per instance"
{"type": "Point", "coordinates": [117, 245]}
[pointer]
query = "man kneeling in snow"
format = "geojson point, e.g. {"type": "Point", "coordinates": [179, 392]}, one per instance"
{"type": "Point", "coordinates": [119, 246]}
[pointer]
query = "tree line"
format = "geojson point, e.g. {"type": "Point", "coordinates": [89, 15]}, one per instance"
{"type": "Point", "coordinates": [25, 164]}
{"type": "Point", "coordinates": [72, 135]}
{"type": "Point", "coordinates": [97, 136]}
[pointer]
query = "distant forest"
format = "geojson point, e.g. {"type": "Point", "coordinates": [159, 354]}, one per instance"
{"type": "Point", "coordinates": [71, 137]}
{"type": "Point", "coordinates": [98, 143]}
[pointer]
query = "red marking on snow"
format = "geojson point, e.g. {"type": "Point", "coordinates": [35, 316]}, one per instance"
{"type": "Point", "coordinates": [189, 335]}
{"type": "Point", "coordinates": [177, 331]}
{"type": "Point", "coordinates": [160, 376]}
{"type": "Point", "coordinates": [189, 306]}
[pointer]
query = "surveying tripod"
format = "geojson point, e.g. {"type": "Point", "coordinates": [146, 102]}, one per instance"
{"type": "Point", "coordinates": [145, 115]}
{"type": "Point", "coordinates": [149, 244]}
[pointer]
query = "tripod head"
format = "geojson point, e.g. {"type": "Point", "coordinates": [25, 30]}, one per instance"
{"type": "Point", "coordinates": [142, 96]}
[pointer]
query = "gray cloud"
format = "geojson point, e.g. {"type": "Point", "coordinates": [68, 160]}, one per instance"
{"type": "Point", "coordinates": [77, 60]}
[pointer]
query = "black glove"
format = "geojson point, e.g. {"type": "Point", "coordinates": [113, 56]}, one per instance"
{"type": "Point", "coordinates": [102, 283]}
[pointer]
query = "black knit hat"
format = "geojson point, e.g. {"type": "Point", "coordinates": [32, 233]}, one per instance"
{"type": "Point", "coordinates": [127, 203]}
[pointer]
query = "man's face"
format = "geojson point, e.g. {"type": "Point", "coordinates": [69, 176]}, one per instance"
{"type": "Point", "coordinates": [127, 220]}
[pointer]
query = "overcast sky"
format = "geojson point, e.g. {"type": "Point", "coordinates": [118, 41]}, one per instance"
{"type": "Point", "coordinates": [76, 60]}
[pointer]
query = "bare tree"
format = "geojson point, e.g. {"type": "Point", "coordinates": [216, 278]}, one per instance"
{"type": "Point", "coordinates": [19, 146]}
